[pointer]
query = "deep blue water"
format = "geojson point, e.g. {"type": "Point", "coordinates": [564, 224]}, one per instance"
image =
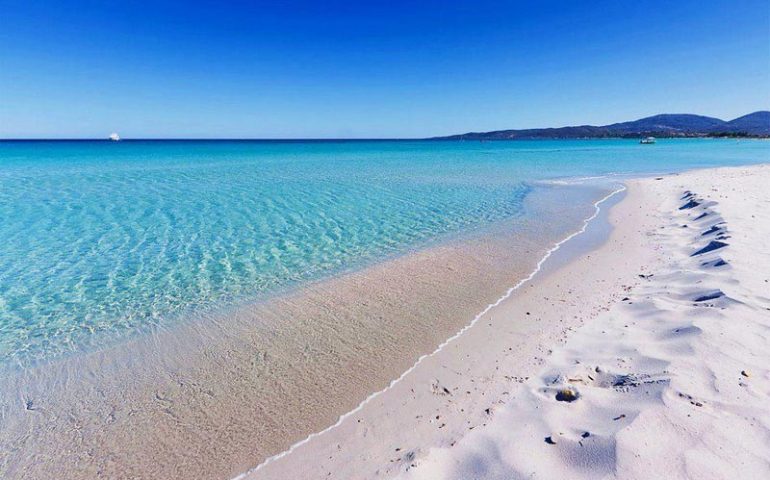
{"type": "Point", "coordinates": [110, 238]}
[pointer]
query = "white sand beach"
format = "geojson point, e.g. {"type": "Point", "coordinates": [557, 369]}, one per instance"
{"type": "Point", "coordinates": [646, 357]}
{"type": "Point", "coordinates": [384, 240]}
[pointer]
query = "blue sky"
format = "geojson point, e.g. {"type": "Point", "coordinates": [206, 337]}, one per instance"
{"type": "Point", "coordinates": [378, 69]}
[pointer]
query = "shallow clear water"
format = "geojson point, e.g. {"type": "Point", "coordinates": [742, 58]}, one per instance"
{"type": "Point", "coordinates": [111, 238]}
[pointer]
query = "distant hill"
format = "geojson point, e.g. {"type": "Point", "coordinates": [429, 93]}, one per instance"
{"type": "Point", "coordinates": [755, 124]}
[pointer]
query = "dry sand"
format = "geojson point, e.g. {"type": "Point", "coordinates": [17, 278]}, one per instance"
{"type": "Point", "coordinates": [644, 358]}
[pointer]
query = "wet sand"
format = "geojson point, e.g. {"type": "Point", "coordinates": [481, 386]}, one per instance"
{"type": "Point", "coordinates": [214, 398]}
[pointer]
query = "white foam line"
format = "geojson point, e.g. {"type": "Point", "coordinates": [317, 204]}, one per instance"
{"type": "Point", "coordinates": [507, 294]}
{"type": "Point", "coordinates": [577, 180]}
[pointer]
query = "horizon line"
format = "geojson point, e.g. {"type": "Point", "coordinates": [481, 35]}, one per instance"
{"type": "Point", "coordinates": [451, 138]}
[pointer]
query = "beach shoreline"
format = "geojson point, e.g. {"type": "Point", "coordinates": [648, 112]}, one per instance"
{"type": "Point", "coordinates": [418, 428]}
{"type": "Point", "coordinates": [408, 423]}
{"type": "Point", "coordinates": [505, 297]}
{"type": "Point", "coordinates": [235, 389]}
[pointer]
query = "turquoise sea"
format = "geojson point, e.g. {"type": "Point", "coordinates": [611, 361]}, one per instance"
{"type": "Point", "coordinates": [100, 240]}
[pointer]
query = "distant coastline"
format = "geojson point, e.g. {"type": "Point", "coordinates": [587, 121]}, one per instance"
{"type": "Point", "coordinates": [753, 125]}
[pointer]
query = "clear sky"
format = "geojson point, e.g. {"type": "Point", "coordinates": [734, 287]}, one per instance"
{"type": "Point", "coordinates": [253, 69]}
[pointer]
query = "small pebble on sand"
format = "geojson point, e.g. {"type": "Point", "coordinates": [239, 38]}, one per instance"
{"type": "Point", "coordinates": [566, 395]}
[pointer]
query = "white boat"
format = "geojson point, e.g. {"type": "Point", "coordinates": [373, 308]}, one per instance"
{"type": "Point", "coordinates": [647, 140]}
{"type": "Point", "coordinates": [114, 137]}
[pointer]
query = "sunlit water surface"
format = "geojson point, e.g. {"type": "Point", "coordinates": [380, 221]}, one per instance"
{"type": "Point", "coordinates": [101, 240]}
